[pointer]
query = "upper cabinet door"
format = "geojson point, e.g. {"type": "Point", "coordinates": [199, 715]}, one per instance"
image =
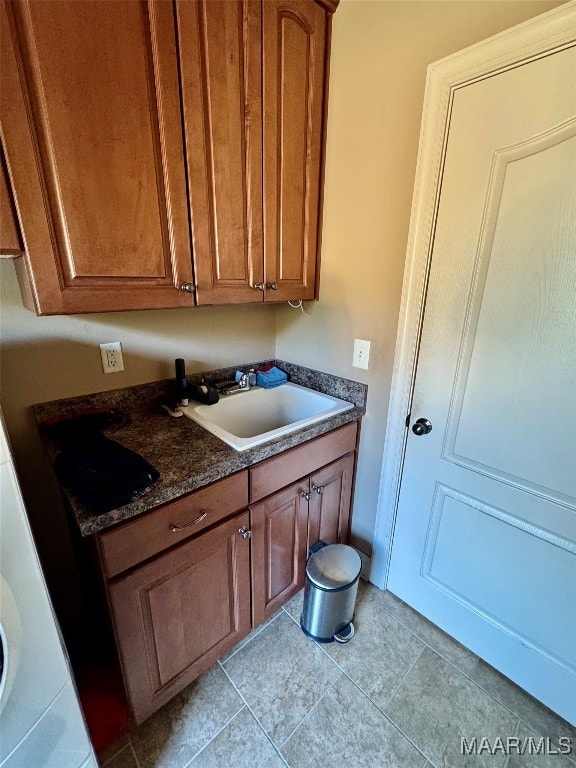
{"type": "Point", "coordinates": [294, 39]}
{"type": "Point", "coordinates": [220, 62]}
{"type": "Point", "coordinates": [10, 240]}
{"type": "Point", "coordinates": [90, 117]}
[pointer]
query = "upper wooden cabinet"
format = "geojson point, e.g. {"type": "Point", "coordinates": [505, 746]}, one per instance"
{"type": "Point", "coordinates": [294, 54]}
{"type": "Point", "coordinates": [221, 70]}
{"type": "Point", "coordinates": [90, 117]}
{"type": "Point", "coordinates": [10, 240]}
{"type": "Point", "coordinates": [254, 110]}
{"type": "Point", "coordinates": [160, 149]}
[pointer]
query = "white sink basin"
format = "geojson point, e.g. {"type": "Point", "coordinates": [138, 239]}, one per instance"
{"type": "Point", "coordinates": [247, 419]}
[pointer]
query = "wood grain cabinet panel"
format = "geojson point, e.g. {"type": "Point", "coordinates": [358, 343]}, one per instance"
{"type": "Point", "coordinates": [254, 108]}
{"type": "Point", "coordinates": [175, 616]}
{"type": "Point", "coordinates": [181, 600]}
{"type": "Point", "coordinates": [90, 116]}
{"type": "Point", "coordinates": [10, 239]}
{"type": "Point", "coordinates": [285, 525]}
{"type": "Point", "coordinates": [279, 529]}
{"type": "Point", "coordinates": [330, 502]}
{"type": "Point", "coordinates": [275, 473]}
{"type": "Point", "coordinates": [294, 34]}
{"type": "Point", "coordinates": [133, 542]}
{"type": "Point", "coordinates": [221, 95]}
{"type": "Point", "coordinates": [160, 150]}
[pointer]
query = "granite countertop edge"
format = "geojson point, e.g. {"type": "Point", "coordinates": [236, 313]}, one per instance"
{"type": "Point", "coordinates": [187, 456]}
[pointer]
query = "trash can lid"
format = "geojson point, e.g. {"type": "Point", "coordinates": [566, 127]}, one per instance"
{"type": "Point", "coordinates": [334, 567]}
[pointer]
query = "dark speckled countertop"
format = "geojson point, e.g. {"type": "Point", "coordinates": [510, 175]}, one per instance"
{"type": "Point", "coordinates": [186, 455]}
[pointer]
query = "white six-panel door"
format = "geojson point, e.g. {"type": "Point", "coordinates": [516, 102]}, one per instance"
{"type": "Point", "coordinates": [485, 533]}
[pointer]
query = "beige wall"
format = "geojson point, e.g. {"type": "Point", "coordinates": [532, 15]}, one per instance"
{"type": "Point", "coordinates": [380, 52]}
{"type": "Point", "coordinates": [47, 358]}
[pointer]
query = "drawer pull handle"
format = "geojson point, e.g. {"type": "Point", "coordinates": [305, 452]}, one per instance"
{"type": "Point", "coordinates": [175, 528]}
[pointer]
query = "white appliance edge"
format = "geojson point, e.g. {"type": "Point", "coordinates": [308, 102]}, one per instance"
{"type": "Point", "coordinates": [41, 721]}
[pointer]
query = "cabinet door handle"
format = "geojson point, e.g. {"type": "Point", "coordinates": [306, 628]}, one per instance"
{"type": "Point", "coordinates": [306, 495]}
{"type": "Point", "coordinates": [244, 532]}
{"type": "Point", "coordinates": [317, 488]}
{"type": "Point", "coordinates": [187, 287]}
{"type": "Point", "coordinates": [272, 286]}
{"type": "Point", "coordinates": [175, 528]}
{"type": "Point", "coordinates": [259, 286]}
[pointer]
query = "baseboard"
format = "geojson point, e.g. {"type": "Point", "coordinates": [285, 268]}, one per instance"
{"type": "Point", "coordinates": [366, 564]}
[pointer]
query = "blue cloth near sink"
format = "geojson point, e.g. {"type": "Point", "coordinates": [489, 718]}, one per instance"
{"type": "Point", "coordinates": [271, 378]}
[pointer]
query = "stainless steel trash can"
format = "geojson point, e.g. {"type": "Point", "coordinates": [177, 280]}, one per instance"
{"type": "Point", "coordinates": [332, 574]}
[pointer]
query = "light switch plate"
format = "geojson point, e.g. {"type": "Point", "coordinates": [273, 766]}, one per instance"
{"type": "Point", "coordinates": [361, 353]}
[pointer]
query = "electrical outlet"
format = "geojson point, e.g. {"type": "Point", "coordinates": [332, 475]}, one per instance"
{"type": "Point", "coordinates": [361, 353]}
{"type": "Point", "coordinates": [111, 355]}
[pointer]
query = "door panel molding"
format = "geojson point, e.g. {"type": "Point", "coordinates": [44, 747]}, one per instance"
{"type": "Point", "coordinates": [534, 39]}
{"type": "Point", "coordinates": [502, 161]}
{"type": "Point", "coordinates": [438, 573]}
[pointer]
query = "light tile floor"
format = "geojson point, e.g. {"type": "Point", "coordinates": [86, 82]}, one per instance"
{"type": "Point", "coordinates": [401, 694]}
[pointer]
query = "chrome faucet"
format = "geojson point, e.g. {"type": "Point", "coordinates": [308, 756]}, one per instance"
{"type": "Point", "coordinates": [242, 385]}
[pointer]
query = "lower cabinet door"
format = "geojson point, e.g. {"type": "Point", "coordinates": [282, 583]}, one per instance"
{"type": "Point", "coordinates": [176, 615]}
{"type": "Point", "coordinates": [279, 527]}
{"type": "Point", "coordinates": [330, 502]}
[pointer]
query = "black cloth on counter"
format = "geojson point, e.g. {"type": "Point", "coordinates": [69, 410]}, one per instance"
{"type": "Point", "coordinates": [102, 474]}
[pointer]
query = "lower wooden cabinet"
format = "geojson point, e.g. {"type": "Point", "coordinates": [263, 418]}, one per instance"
{"type": "Point", "coordinates": [330, 502]}
{"type": "Point", "coordinates": [176, 615]}
{"type": "Point", "coordinates": [187, 581]}
{"type": "Point", "coordinates": [285, 525]}
{"type": "Point", "coordinates": [279, 533]}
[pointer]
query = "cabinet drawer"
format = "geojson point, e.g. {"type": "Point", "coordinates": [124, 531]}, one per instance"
{"type": "Point", "coordinates": [135, 541]}
{"type": "Point", "coordinates": [280, 471]}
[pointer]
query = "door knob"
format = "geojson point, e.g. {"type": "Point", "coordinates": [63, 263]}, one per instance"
{"type": "Point", "coordinates": [318, 488]}
{"type": "Point", "coordinates": [187, 287]}
{"type": "Point", "coordinates": [272, 286]}
{"type": "Point", "coordinates": [244, 532]}
{"type": "Point", "coordinates": [306, 495]}
{"type": "Point", "coordinates": [259, 286]}
{"type": "Point", "coordinates": [421, 427]}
